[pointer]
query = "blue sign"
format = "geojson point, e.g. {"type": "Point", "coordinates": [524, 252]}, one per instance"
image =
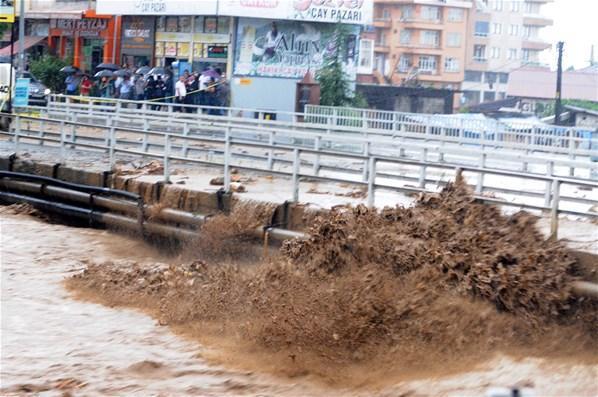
{"type": "Point", "coordinates": [21, 98]}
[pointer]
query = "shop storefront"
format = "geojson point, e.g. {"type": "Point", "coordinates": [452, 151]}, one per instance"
{"type": "Point", "coordinates": [86, 42]}
{"type": "Point", "coordinates": [194, 41]}
{"type": "Point", "coordinates": [137, 43]}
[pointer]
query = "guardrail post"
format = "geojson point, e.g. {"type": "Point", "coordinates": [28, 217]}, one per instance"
{"type": "Point", "coordinates": [427, 133]}
{"type": "Point", "coordinates": [422, 171]}
{"type": "Point", "coordinates": [145, 142]}
{"type": "Point", "coordinates": [366, 152]}
{"type": "Point", "coordinates": [62, 140]}
{"type": "Point", "coordinates": [227, 155]}
{"type": "Point", "coordinates": [572, 139]}
{"type": "Point", "coordinates": [271, 151]}
{"type": "Point", "coordinates": [17, 132]}
{"type": "Point", "coordinates": [42, 133]}
{"type": "Point", "coordinates": [554, 213]}
{"type": "Point", "coordinates": [73, 134]}
{"type": "Point", "coordinates": [112, 146]}
{"type": "Point", "coordinates": [185, 147]}
{"type": "Point", "coordinates": [167, 158]}
{"type": "Point", "coordinates": [480, 186]}
{"type": "Point", "coordinates": [549, 172]}
{"type": "Point", "coordinates": [372, 182]}
{"type": "Point", "coordinates": [317, 144]}
{"type": "Point", "coordinates": [296, 163]}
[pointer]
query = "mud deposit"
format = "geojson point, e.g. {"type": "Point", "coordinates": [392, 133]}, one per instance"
{"type": "Point", "coordinates": [375, 299]}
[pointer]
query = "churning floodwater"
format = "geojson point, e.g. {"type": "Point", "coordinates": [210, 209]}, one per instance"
{"type": "Point", "coordinates": [55, 345]}
{"type": "Point", "coordinates": [52, 343]}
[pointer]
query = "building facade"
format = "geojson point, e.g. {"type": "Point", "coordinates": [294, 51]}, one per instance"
{"type": "Point", "coordinates": [504, 35]}
{"type": "Point", "coordinates": [420, 42]}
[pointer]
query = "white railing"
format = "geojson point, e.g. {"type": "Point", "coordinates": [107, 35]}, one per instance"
{"type": "Point", "coordinates": [371, 171]}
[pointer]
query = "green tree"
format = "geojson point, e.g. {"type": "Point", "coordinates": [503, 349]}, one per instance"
{"type": "Point", "coordinates": [4, 27]}
{"type": "Point", "coordinates": [335, 86]}
{"type": "Point", "coordinates": [47, 69]}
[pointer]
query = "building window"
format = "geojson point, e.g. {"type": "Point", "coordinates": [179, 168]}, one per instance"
{"type": "Point", "coordinates": [489, 96]}
{"type": "Point", "coordinates": [525, 54]}
{"type": "Point", "coordinates": [498, 5]}
{"type": "Point", "coordinates": [495, 53]}
{"type": "Point", "coordinates": [405, 36]}
{"type": "Point", "coordinates": [430, 13]}
{"type": "Point", "coordinates": [405, 63]}
{"type": "Point", "coordinates": [407, 13]}
{"type": "Point", "coordinates": [496, 28]}
{"type": "Point", "coordinates": [455, 14]}
{"type": "Point", "coordinates": [386, 13]}
{"type": "Point", "coordinates": [515, 6]}
{"type": "Point", "coordinates": [451, 64]}
{"type": "Point", "coordinates": [366, 56]}
{"type": "Point", "coordinates": [503, 78]}
{"type": "Point", "coordinates": [482, 28]}
{"type": "Point", "coordinates": [381, 63]}
{"type": "Point", "coordinates": [490, 77]}
{"type": "Point", "coordinates": [471, 75]}
{"type": "Point", "coordinates": [471, 97]}
{"type": "Point", "coordinates": [430, 38]}
{"type": "Point", "coordinates": [453, 39]}
{"type": "Point", "coordinates": [531, 8]}
{"type": "Point", "coordinates": [514, 30]}
{"type": "Point", "coordinates": [380, 38]}
{"type": "Point", "coordinates": [512, 54]}
{"type": "Point", "coordinates": [479, 53]}
{"type": "Point", "coordinates": [427, 63]}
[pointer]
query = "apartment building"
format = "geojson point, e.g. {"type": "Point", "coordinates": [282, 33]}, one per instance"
{"type": "Point", "coordinates": [421, 42]}
{"type": "Point", "coordinates": [504, 35]}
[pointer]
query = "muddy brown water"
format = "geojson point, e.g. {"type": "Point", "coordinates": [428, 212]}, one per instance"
{"type": "Point", "coordinates": [54, 344]}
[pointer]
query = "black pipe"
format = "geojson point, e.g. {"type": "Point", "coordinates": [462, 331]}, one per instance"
{"type": "Point", "coordinates": [70, 185]}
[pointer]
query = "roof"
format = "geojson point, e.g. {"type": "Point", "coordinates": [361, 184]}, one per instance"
{"type": "Point", "coordinates": [578, 109]}
{"type": "Point", "coordinates": [541, 84]}
{"type": "Point", "coordinates": [30, 41]}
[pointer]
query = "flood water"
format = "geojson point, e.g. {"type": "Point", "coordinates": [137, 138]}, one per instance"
{"type": "Point", "coordinates": [53, 343]}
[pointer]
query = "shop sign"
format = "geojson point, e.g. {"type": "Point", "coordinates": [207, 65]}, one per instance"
{"type": "Point", "coordinates": [7, 11]}
{"type": "Point", "coordinates": [157, 7]}
{"type": "Point", "coordinates": [346, 11]}
{"type": "Point", "coordinates": [138, 35]}
{"type": "Point", "coordinates": [217, 51]}
{"type": "Point", "coordinates": [21, 98]}
{"type": "Point", "coordinates": [289, 48]}
{"type": "Point", "coordinates": [88, 27]}
{"type": "Point", "coordinates": [173, 36]}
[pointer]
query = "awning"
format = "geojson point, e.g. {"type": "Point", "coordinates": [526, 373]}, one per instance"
{"type": "Point", "coordinates": [30, 41]}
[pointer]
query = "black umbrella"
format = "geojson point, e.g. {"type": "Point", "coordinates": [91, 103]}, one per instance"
{"type": "Point", "coordinates": [104, 73]}
{"type": "Point", "coordinates": [143, 70]}
{"type": "Point", "coordinates": [109, 66]}
{"type": "Point", "coordinates": [157, 71]}
{"type": "Point", "coordinates": [69, 69]}
{"type": "Point", "coordinates": [122, 73]}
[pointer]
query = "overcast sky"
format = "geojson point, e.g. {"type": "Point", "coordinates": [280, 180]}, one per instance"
{"type": "Point", "coordinates": [575, 23]}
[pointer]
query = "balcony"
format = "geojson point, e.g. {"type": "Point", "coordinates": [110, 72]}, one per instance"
{"type": "Point", "coordinates": [480, 59]}
{"type": "Point", "coordinates": [537, 20]}
{"type": "Point", "coordinates": [418, 23]}
{"type": "Point", "coordinates": [383, 23]}
{"type": "Point", "coordinates": [535, 44]}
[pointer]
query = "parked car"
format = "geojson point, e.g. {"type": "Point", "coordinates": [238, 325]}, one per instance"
{"type": "Point", "coordinates": [38, 92]}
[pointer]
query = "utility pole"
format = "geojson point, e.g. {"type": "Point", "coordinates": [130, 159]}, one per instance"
{"type": "Point", "coordinates": [559, 83]}
{"type": "Point", "coordinates": [21, 37]}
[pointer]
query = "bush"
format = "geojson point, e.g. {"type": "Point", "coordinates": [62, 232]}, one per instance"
{"type": "Point", "coordinates": [47, 70]}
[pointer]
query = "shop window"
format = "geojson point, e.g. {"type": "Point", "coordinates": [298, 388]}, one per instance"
{"type": "Point", "coordinates": [172, 24]}
{"type": "Point", "coordinates": [223, 25]}
{"type": "Point", "coordinates": [198, 26]}
{"type": "Point", "coordinates": [161, 24]}
{"type": "Point", "coordinates": [210, 25]}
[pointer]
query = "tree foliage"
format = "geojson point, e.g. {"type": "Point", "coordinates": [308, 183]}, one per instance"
{"type": "Point", "coordinates": [47, 69]}
{"type": "Point", "coordinates": [4, 27]}
{"type": "Point", "coordinates": [335, 86]}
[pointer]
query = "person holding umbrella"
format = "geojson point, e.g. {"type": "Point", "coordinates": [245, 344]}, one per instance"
{"type": "Point", "coordinates": [85, 86]}
{"type": "Point", "coordinates": [72, 83]}
{"type": "Point", "coordinates": [139, 90]}
{"type": "Point", "coordinates": [106, 87]}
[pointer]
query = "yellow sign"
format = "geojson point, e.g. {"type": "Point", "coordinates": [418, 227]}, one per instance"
{"type": "Point", "coordinates": [7, 11]}
{"type": "Point", "coordinates": [244, 81]}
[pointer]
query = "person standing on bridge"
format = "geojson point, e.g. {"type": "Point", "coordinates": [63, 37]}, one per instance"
{"type": "Point", "coordinates": [180, 92]}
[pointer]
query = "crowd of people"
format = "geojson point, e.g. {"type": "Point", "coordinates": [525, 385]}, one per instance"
{"type": "Point", "coordinates": [208, 88]}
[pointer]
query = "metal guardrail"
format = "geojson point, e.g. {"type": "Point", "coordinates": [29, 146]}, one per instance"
{"type": "Point", "coordinates": [307, 135]}
{"type": "Point", "coordinates": [539, 137]}
{"type": "Point", "coordinates": [438, 128]}
{"type": "Point", "coordinates": [303, 163]}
